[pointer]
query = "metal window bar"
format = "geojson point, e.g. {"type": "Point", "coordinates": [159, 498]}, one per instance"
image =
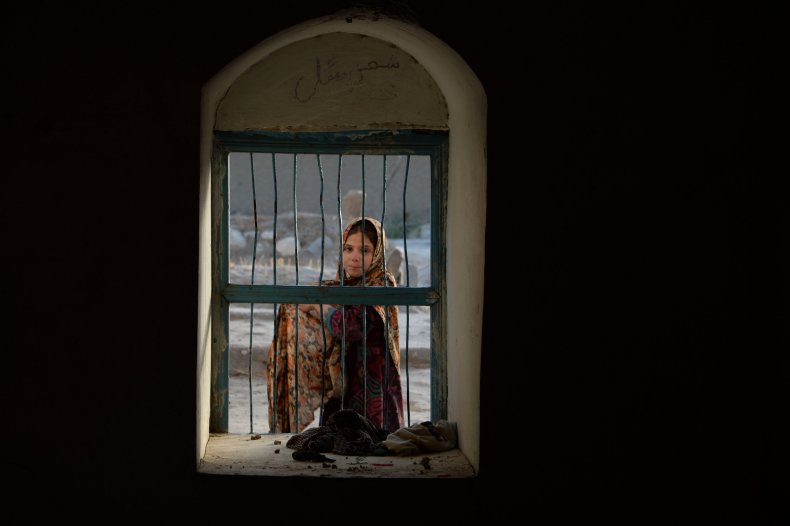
{"type": "Point", "coordinates": [321, 280]}
{"type": "Point", "coordinates": [252, 282]}
{"type": "Point", "coordinates": [342, 282]}
{"type": "Point", "coordinates": [384, 412]}
{"type": "Point", "coordinates": [274, 280]}
{"type": "Point", "coordinates": [233, 293]}
{"type": "Point", "coordinates": [408, 284]}
{"type": "Point", "coordinates": [364, 307]}
{"type": "Point", "coordinates": [296, 310]}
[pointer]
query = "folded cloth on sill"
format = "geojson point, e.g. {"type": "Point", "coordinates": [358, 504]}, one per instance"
{"type": "Point", "coordinates": [424, 437]}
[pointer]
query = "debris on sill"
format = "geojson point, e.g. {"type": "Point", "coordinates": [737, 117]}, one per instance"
{"type": "Point", "coordinates": [306, 455]}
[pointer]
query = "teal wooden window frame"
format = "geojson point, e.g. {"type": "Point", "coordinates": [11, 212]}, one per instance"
{"type": "Point", "coordinates": [432, 143]}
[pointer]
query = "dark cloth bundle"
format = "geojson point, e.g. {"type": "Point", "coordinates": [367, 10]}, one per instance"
{"type": "Point", "coordinates": [346, 433]}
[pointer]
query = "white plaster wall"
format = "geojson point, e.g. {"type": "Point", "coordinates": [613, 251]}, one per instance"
{"type": "Point", "coordinates": [466, 120]}
{"type": "Point", "coordinates": [335, 81]}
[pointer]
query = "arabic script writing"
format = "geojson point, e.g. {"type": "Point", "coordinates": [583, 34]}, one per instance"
{"type": "Point", "coordinates": [307, 87]}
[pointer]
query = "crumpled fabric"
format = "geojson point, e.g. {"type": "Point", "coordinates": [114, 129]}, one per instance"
{"type": "Point", "coordinates": [424, 437]}
{"type": "Point", "coordinates": [346, 433]}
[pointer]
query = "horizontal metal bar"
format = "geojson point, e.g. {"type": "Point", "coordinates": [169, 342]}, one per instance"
{"type": "Point", "coordinates": [361, 141]}
{"type": "Point", "coordinates": [330, 295]}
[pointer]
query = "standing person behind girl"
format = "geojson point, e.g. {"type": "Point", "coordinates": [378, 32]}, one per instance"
{"type": "Point", "coordinates": [343, 376]}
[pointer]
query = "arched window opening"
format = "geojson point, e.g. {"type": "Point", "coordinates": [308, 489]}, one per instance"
{"type": "Point", "coordinates": [312, 129]}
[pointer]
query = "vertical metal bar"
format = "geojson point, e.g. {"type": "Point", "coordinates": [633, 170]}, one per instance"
{"type": "Point", "coordinates": [274, 282]}
{"type": "Point", "coordinates": [296, 227]}
{"type": "Point", "coordinates": [363, 222]}
{"type": "Point", "coordinates": [408, 308]}
{"type": "Point", "coordinates": [220, 309]}
{"type": "Point", "coordinates": [323, 219]}
{"type": "Point", "coordinates": [364, 307]}
{"type": "Point", "coordinates": [384, 391]}
{"type": "Point", "coordinates": [252, 280]}
{"type": "Point", "coordinates": [438, 281]}
{"type": "Point", "coordinates": [274, 228]}
{"type": "Point", "coordinates": [405, 231]}
{"type": "Point", "coordinates": [320, 280]}
{"type": "Point", "coordinates": [342, 278]}
{"type": "Point", "coordinates": [296, 307]}
{"type": "Point", "coordinates": [340, 218]}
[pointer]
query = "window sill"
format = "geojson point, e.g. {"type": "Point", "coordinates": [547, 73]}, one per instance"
{"type": "Point", "coordinates": [234, 454]}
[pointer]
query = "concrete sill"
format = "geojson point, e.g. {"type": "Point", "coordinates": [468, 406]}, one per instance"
{"type": "Point", "coordinates": [243, 454]}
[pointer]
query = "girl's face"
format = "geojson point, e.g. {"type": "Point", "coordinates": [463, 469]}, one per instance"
{"type": "Point", "coordinates": [352, 254]}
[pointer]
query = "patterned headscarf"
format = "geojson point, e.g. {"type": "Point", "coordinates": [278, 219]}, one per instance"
{"type": "Point", "coordinates": [374, 275]}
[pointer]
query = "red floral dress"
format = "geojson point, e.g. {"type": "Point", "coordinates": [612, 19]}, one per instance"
{"type": "Point", "coordinates": [372, 378]}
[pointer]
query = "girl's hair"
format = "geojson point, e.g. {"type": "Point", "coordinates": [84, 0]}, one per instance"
{"type": "Point", "coordinates": [370, 231]}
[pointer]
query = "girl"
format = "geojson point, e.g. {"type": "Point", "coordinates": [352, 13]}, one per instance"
{"type": "Point", "coordinates": [360, 369]}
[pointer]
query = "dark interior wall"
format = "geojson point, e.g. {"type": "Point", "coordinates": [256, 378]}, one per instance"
{"type": "Point", "coordinates": [631, 240]}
